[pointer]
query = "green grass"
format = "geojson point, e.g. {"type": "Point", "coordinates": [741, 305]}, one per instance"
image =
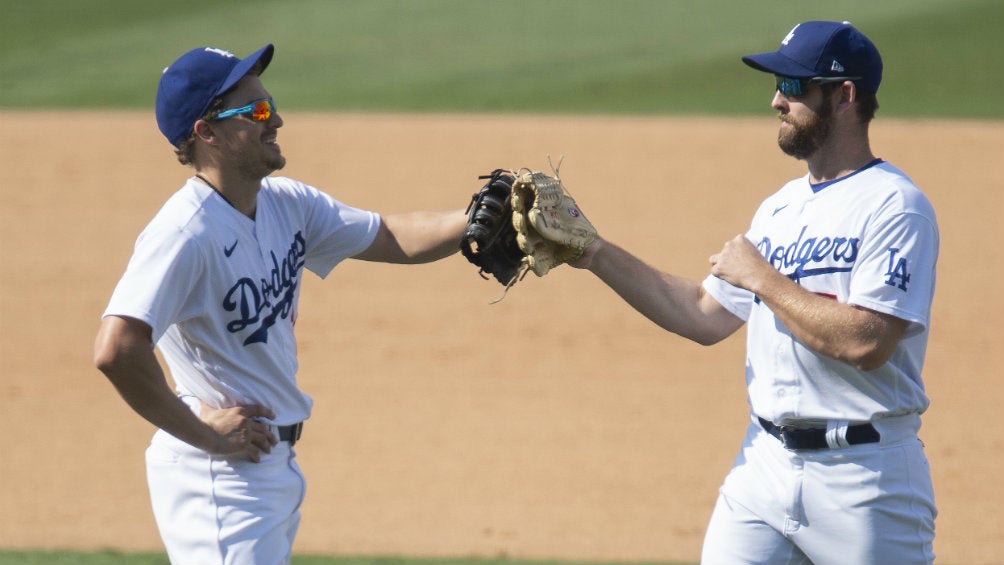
{"type": "Point", "coordinates": [579, 56]}
{"type": "Point", "coordinates": [117, 558]}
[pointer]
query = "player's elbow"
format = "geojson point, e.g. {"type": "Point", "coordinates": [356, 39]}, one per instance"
{"type": "Point", "coordinates": [713, 328]}
{"type": "Point", "coordinates": [119, 342]}
{"type": "Point", "coordinates": [870, 343]}
{"type": "Point", "coordinates": [869, 360]}
{"type": "Point", "coordinates": [107, 356]}
{"type": "Point", "coordinates": [701, 335]}
{"type": "Point", "coordinates": [866, 356]}
{"type": "Point", "coordinates": [103, 359]}
{"type": "Point", "coordinates": [707, 339]}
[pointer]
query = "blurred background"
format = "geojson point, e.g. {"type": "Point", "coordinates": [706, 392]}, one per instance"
{"type": "Point", "coordinates": [942, 57]}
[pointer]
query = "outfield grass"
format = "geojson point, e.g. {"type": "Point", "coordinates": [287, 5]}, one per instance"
{"type": "Point", "coordinates": [580, 56]}
{"type": "Point", "coordinates": [116, 558]}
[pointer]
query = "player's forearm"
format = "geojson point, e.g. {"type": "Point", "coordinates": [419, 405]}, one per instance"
{"type": "Point", "coordinates": [434, 235]}
{"type": "Point", "coordinates": [418, 237]}
{"type": "Point", "coordinates": [674, 303]}
{"type": "Point", "coordinates": [159, 406]}
{"type": "Point", "coordinates": [129, 363]}
{"type": "Point", "coordinates": [858, 337]}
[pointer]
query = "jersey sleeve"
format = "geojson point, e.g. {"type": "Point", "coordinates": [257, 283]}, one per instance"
{"type": "Point", "coordinates": [334, 231]}
{"type": "Point", "coordinates": [895, 273]}
{"type": "Point", "coordinates": [158, 285]}
{"type": "Point", "coordinates": [734, 299]}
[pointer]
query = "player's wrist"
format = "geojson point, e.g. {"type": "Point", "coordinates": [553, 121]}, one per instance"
{"type": "Point", "coordinates": [587, 260]}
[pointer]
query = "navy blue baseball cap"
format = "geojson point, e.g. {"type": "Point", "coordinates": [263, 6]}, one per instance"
{"type": "Point", "coordinates": [191, 83]}
{"type": "Point", "coordinates": [824, 49]}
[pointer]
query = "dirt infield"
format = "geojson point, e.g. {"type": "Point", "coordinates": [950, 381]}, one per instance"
{"type": "Point", "coordinates": [606, 439]}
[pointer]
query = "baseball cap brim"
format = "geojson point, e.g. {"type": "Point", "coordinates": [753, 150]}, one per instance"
{"type": "Point", "coordinates": [264, 55]}
{"type": "Point", "coordinates": [778, 64]}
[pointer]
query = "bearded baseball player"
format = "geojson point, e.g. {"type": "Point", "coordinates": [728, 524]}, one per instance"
{"type": "Point", "coordinates": [214, 282]}
{"type": "Point", "coordinates": [834, 279]}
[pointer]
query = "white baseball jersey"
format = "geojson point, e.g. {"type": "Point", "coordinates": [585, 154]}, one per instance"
{"type": "Point", "coordinates": [868, 239]}
{"type": "Point", "coordinates": [220, 290]}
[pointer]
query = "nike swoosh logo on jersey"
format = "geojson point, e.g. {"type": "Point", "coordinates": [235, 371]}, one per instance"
{"type": "Point", "coordinates": [778, 209]}
{"type": "Point", "coordinates": [228, 251]}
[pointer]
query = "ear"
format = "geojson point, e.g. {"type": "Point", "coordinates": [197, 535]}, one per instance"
{"type": "Point", "coordinates": [848, 95]}
{"type": "Point", "coordinates": [205, 131]}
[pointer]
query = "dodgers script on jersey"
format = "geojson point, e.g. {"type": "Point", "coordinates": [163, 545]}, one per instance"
{"type": "Point", "coordinates": [220, 290]}
{"type": "Point", "coordinates": [869, 239]}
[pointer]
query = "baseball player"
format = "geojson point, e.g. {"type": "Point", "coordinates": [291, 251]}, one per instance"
{"type": "Point", "coordinates": [214, 282]}
{"type": "Point", "coordinates": [834, 279]}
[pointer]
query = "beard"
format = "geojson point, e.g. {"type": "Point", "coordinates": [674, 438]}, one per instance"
{"type": "Point", "coordinates": [276, 162]}
{"type": "Point", "coordinates": [255, 161]}
{"type": "Point", "coordinates": [802, 139]}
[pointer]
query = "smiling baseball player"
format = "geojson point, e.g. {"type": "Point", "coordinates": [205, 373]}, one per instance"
{"type": "Point", "coordinates": [834, 280]}
{"type": "Point", "coordinates": [214, 282]}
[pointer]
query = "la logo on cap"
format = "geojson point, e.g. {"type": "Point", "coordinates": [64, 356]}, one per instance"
{"type": "Point", "coordinates": [220, 52]}
{"type": "Point", "coordinates": [790, 35]}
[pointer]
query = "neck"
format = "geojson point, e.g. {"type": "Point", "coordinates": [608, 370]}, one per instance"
{"type": "Point", "coordinates": [829, 163]}
{"type": "Point", "coordinates": [242, 196]}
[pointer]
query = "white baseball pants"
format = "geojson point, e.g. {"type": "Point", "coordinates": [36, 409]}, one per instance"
{"type": "Point", "coordinates": [870, 504]}
{"type": "Point", "coordinates": [215, 511]}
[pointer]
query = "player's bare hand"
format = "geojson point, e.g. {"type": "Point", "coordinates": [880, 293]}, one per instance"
{"type": "Point", "coordinates": [241, 430]}
{"type": "Point", "coordinates": [740, 264]}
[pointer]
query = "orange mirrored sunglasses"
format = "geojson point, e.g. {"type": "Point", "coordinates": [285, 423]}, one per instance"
{"type": "Point", "coordinates": [258, 110]}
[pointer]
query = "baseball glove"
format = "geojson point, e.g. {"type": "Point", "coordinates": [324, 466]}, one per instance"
{"type": "Point", "coordinates": [523, 221]}
{"type": "Point", "coordinates": [550, 227]}
{"type": "Point", "coordinates": [489, 241]}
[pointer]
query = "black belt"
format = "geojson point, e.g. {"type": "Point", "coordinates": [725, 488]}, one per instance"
{"type": "Point", "coordinates": [815, 438]}
{"type": "Point", "coordinates": [291, 433]}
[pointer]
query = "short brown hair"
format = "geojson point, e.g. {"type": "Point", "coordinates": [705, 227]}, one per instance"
{"type": "Point", "coordinates": [866, 103]}
{"type": "Point", "coordinates": [186, 150]}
